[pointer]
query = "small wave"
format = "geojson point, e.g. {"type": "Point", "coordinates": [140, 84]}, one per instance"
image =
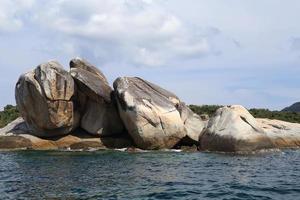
{"type": "Point", "coordinates": [122, 149]}
{"type": "Point", "coordinates": [172, 150]}
{"type": "Point", "coordinates": [143, 151]}
{"type": "Point", "coordinates": [255, 152]}
{"type": "Point", "coordinates": [90, 149]}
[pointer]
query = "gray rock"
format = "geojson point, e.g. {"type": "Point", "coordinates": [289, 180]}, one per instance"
{"type": "Point", "coordinates": [80, 63]}
{"type": "Point", "coordinates": [233, 129]}
{"type": "Point", "coordinates": [193, 123]}
{"type": "Point", "coordinates": [18, 126]}
{"type": "Point", "coordinates": [283, 134]}
{"type": "Point", "coordinates": [100, 115]}
{"type": "Point", "coordinates": [149, 113]}
{"type": "Point", "coordinates": [102, 119]}
{"type": "Point", "coordinates": [44, 97]}
{"type": "Point", "coordinates": [91, 85]}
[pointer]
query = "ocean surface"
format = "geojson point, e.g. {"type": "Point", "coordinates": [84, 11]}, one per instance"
{"type": "Point", "coordinates": [149, 175]}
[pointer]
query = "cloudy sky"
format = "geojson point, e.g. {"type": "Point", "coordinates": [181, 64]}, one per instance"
{"type": "Point", "coordinates": [206, 51]}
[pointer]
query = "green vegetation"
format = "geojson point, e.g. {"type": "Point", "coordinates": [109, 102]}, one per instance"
{"type": "Point", "coordinates": [9, 114]}
{"type": "Point", "coordinates": [205, 109]}
{"type": "Point", "coordinates": [257, 113]}
{"type": "Point", "coordinates": [280, 115]}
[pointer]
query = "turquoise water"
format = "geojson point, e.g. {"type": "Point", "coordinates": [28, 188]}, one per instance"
{"type": "Point", "coordinates": [149, 175]}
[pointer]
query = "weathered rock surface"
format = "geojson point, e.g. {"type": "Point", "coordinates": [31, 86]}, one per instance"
{"type": "Point", "coordinates": [18, 126]}
{"type": "Point", "coordinates": [80, 63]}
{"type": "Point", "coordinates": [90, 80]}
{"type": "Point", "coordinates": [149, 113]}
{"type": "Point", "coordinates": [60, 108]}
{"type": "Point", "coordinates": [100, 115]}
{"type": "Point", "coordinates": [16, 136]}
{"type": "Point", "coordinates": [193, 124]}
{"type": "Point", "coordinates": [233, 128]}
{"type": "Point", "coordinates": [283, 134]}
{"type": "Point", "coordinates": [14, 142]}
{"type": "Point", "coordinates": [44, 100]}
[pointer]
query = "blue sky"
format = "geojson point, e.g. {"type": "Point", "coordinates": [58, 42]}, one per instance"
{"type": "Point", "coordinates": [206, 51]}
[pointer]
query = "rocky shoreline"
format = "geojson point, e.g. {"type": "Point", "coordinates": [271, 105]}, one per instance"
{"type": "Point", "coordinates": [79, 110]}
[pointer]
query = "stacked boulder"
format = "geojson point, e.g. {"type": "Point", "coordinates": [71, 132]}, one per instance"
{"type": "Point", "coordinates": [99, 114]}
{"type": "Point", "coordinates": [79, 109]}
{"type": "Point", "coordinates": [54, 102]}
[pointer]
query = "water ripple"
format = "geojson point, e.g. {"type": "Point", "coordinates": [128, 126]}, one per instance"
{"type": "Point", "coordinates": [149, 175]}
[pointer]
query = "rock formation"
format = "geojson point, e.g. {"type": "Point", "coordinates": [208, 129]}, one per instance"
{"type": "Point", "coordinates": [193, 124]}
{"type": "Point", "coordinates": [79, 110]}
{"type": "Point", "coordinates": [44, 98]}
{"type": "Point", "coordinates": [282, 134]}
{"type": "Point", "coordinates": [16, 135]}
{"type": "Point", "coordinates": [154, 117]}
{"type": "Point", "coordinates": [99, 114]}
{"type": "Point", "coordinates": [233, 128]}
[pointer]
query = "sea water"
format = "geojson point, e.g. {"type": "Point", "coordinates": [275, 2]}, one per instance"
{"type": "Point", "coordinates": [149, 175]}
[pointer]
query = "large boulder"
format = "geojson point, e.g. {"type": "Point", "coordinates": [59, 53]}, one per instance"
{"type": "Point", "coordinates": [99, 110]}
{"type": "Point", "coordinates": [233, 129]}
{"type": "Point", "coordinates": [44, 99]}
{"type": "Point", "coordinates": [149, 113]}
{"type": "Point", "coordinates": [283, 134]}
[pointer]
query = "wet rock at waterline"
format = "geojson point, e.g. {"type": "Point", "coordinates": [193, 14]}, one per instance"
{"type": "Point", "coordinates": [16, 135]}
{"type": "Point", "coordinates": [44, 100]}
{"type": "Point", "coordinates": [100, 115]}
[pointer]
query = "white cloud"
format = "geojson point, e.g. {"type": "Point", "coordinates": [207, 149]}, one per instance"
{"type": "Point", "coordinates": [138, 32]}
{"type": "Point", "coordinates": [12, 13]}
{"type": "Point", "coordinates": [229, 39]}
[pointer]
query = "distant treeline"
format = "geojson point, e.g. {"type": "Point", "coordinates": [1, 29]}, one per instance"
{"type": "Point", "coordinates": [257, 113]}
{"type": "Point", "coordinates": [11, 112]}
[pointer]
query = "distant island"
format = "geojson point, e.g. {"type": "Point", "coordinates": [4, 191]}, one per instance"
{"type": "Point", "coordinates": [293, 108]}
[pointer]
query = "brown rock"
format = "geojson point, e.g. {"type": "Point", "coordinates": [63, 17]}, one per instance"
{"type": "Point", "coordinates": [14, 142]}
{"type": "Point", "coordinates": [44, 96]}
{"type": "Point", "coordinates": [85, 145]}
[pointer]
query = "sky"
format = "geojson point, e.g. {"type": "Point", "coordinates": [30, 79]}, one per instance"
{"type": "Point", "coordinates": [205, 51]}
